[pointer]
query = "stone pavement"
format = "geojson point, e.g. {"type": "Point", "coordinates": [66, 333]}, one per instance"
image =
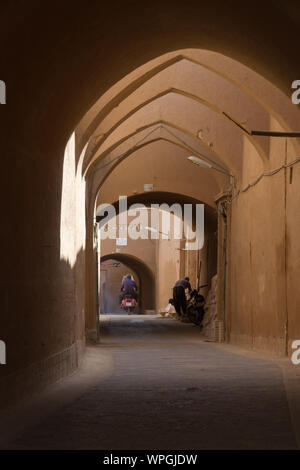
{"type": "Point", "coordinates": [154, 383]}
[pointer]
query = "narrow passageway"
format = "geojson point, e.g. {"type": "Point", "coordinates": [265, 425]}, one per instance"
{"type": "Point", "coordinates": [151, 162]}
{"type": "Point", "coordinates": [160, 385]}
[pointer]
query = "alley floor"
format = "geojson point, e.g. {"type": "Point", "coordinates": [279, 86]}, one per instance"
{"type": "Point", "coordinates": [155, 383]}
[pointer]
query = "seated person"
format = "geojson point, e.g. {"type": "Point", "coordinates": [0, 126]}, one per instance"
{"type": "Point", "coordinates": [179, 296]}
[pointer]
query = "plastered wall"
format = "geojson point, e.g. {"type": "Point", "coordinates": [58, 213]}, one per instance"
{"type": "Point", "coordinates": [264, 264]}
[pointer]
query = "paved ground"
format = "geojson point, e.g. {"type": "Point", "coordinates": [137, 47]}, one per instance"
{"type": "Point", "coordinates": [154, 383]}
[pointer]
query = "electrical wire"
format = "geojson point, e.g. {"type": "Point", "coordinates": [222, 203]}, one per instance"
{"type": "Point", "coordinates": [131, 148]}
{"type": "Point", "coordinates": [161, 126]}
{"type": "Point", "coordinates": [243, 190]}
{"type": "Point", "coordinates": [191, 148]}
{"type": "Point", "coordinates": [269, 173]}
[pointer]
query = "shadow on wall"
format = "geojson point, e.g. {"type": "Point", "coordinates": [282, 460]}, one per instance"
{"type": "Point", "coordinates": [48, 341]}
{"type": "Point", "coordinates": [43, 322]}
{"type": "Point", "coordinates": [145, 277]}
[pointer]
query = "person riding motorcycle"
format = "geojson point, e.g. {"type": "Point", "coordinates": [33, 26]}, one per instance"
{"type": "Point", "coordinates": [128, 287]}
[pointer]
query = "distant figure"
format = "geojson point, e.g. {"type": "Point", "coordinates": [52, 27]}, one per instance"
{"type": "Point", "coordinates": [179, 295]}
{"type": "Point", "coordinates": [129, 286]}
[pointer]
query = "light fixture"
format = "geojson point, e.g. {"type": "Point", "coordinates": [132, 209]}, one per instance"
{"type": "Point", "coordinates": [151, 229]}
{"type": "Point", "coordinates": [154, 230]}
{"type": "Point", "coordinates": [203, 164]}
{"type": "Point", "coordinates": [199, 162]}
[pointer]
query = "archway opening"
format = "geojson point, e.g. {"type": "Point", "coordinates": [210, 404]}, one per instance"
{"type": "Point", "coordinates": [114, 267]}
{"type": "Point", "coordinates": [133, 111]}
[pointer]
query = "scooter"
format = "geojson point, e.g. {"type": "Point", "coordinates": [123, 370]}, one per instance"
{"type": "Point", "coordinates": [128, 303]}
{"type": "Point", "coordinates": [195, 306]}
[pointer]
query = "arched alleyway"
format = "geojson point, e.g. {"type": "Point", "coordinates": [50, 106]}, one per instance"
{"type": "Point", "coordinates": [114, 117]}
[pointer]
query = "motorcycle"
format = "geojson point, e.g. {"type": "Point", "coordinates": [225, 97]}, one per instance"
{"type": "Point", "coordinates": [128, 303]}
{"type": "Point", "coordinates": [195, 307]}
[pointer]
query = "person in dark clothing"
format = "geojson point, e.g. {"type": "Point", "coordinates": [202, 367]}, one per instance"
{"type": "Point", "coordinates": [129, 287]}
{"type": "Point", "coordinates": [179, 295]}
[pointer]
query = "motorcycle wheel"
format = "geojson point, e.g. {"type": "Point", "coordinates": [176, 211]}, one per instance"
{"type": "Point", "coordinates": [194, 317]}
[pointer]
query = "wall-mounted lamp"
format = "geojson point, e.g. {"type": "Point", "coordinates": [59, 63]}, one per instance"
{"type": "Point", "coordinates": [203, 164]}
{"type": "Point", "coordinates": [154, 230]}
